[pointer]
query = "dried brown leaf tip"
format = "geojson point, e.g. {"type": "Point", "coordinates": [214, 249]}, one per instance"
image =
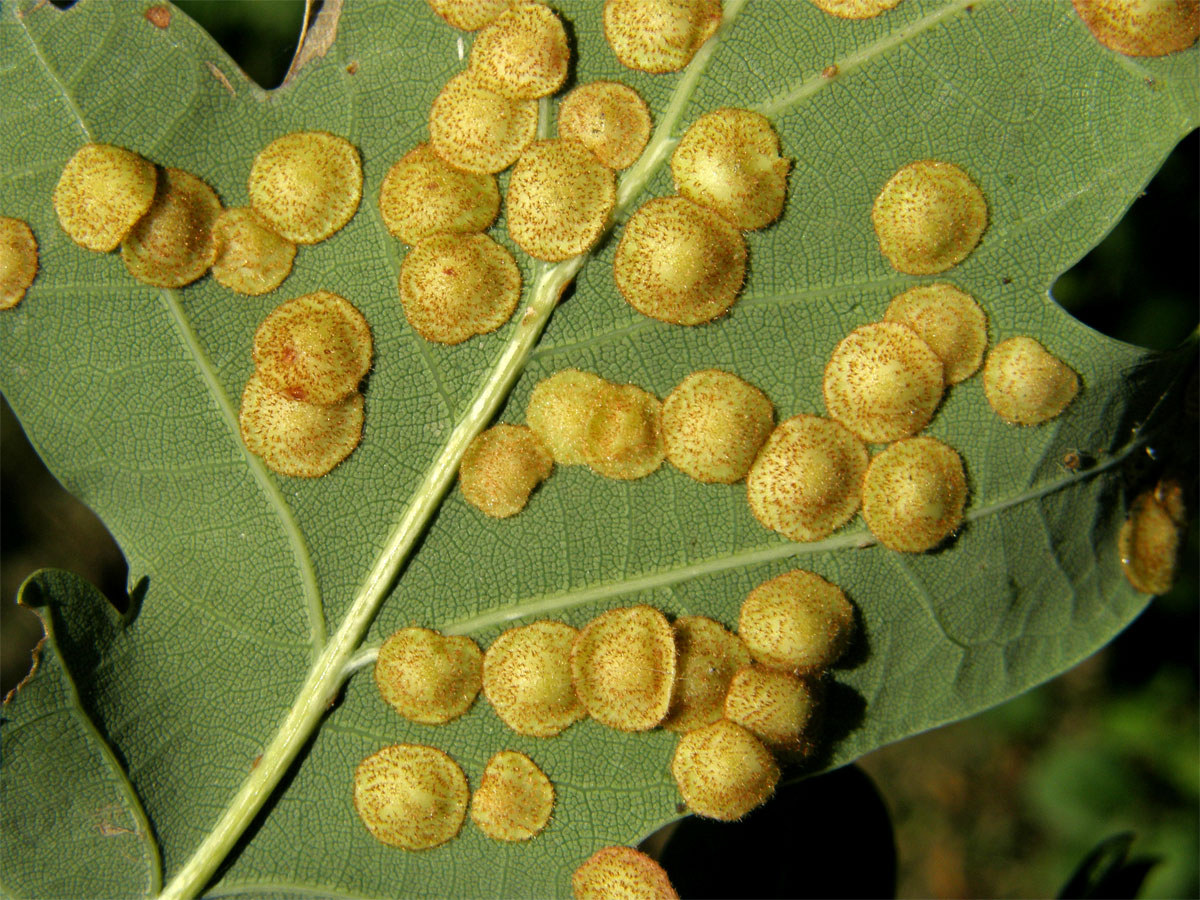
{"type": "Point", "coordinates": [251, 258]}
{"type": "Point", "coordinates": [428, 677]}
{"type": "Point", "coordinates": [805, 481]}
{"type": "Point", "coordinates": [500, 469]}
{"type": "Point", "coordinates": [307, 185]}
{"type": "Point", "coordinates": [621, 873]}
{"type": "Point", "coordinates": [18, 261]}
{"type": "Point", "coordinates": [522, 53]}
{"type": "Point", "coordinates": [609, 118]}
{"type": "Point", "coordinates": [455, 286]}
{"type": "Point", "coordinates": [102, 193]}
{"type": "Point", "coordinates": [929, 217]}
{"type": "Point", "coordinates": [1149, 538]}
{"type": "Point", "coordinates": [297, 438]}
{"type": "Point", "coordinates": [729, 161]}
{"type": "Point", "coordinates": [527, 679]}
{"type": "Point", "coordinates": [914, 493]}
{"type": "Point", "coordinates": [1026, 384]}
{"type": "Point", "coordinates": [709, 655]}
{"type": "Point", "coordinates": [714, 424]}
{"type": "Point", "coordinates": [422, 194]}
{"type": "Point", "coordinates": [949, 321]}
{"type": "Point", "coordinates": [680, 262]}
{"type": "Point", "coordinates": [411, 796]}
{"type": "Point", "coordinates": [514, 798]}
{"type": "Point", "coordinates": [623, 667]}
{"type": "Point", "coordinates": [723, 771]}
{"type": "Point", "coordinates": [797, 622]}
{"type": "Point", "coordinates": [478, 130]}
{"type": "Point", "coordinates": [559, 410]}
{"type": "Point", "coordinates": [172, 245]}
{"type": "Point", "coordinates": [775, 706]}
{"type": "Point", "coordinates": [659, 35]}
{"type": "Point", "coordinates": [469, 15]}
{"type": "Point", "coordinates": [1142, 27]}
{"type": "Point", "coordinates": [855, 9]}
{"type": "Point", "coordinates": [623, 438]}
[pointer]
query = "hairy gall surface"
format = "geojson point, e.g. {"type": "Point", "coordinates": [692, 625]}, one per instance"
{"type": "Point", "coordinates": [708, 656]}
{"type": "Point", "coordinates": [500, 469]}
{"type": "Point", "coordinates": [522, 53]}
{"type": "Point", "coordinates": [478, 130]}
{"type": "Point", "coordinates": [623, 438]}
{"type": "Point", "coordinates": [560, 409]}
{"type": "Point", "coordinates": [411, 796]}
{"type": "Point", "coordinates": [609, 118]}
{"type": "Point", "coordinates": [428, 677]}
{"type": "Point", "coordinates": [251, 258]}
{"type": "Point", "coordinates": [1142, 27]}
{"type": "Point", "coordinates": [949, 321]}
{"type": "Point", "coordinates": [18, 261]}
{"type": "Point", "coordinates": [527, 679]}
{"type": "Point", "coordinates": [659, 35]}
{"type": "Point", "coordinates": [797, 622]}
{"type": "Point", "coordinates": [1026, 384]}
{"type": "Point", "coordinates": [774, 706]}
{"type": "Point", "coordinates": [514, 798]}
{"type": "Point", "coordinates": [855, 9]}
{"type": "Point", "coordinates": [714, 424]}
{"type": "Point", "coordinates": [172, 244]}
{"type": "Point", "coordinates": [101, 194]}
{"type": "Point", "coordinates": [297, 438]}
{"type": "Point", "coordinates": [422, 194]}
{"type": "Point", "coordinates": [469, 15]}
{"type": "Point", "coordinates": [307, 184]}
{"type": "Point", "coordinates": [1150, 537]}
{"type": "Point", "coordinates": [723, 771]}
{"type": "Point", "coordinates": [914, 493]}
{"type": "Point", "coordinates": [621, 873]}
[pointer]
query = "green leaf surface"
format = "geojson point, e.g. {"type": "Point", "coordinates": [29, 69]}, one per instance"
{"type": "Point", "coordinates": [245, 578]}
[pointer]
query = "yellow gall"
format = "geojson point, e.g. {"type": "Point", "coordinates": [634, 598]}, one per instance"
{"type": "Point", "coordinates": [659, 35]}
{"type": "Point", "coordinates": [297, 438]}
{"type": "Point", "coordinates": [623, 667]}
{"type": "Point", "coordinates": [714, 424]}
{"type": "Point", "coordinates": [949, 321]}
{"type": "Point", "coordinates": [455, 286]}
{"type": "Point", "coordinates": [18, 261]}
{"type": "Point", "coordinates": [1142, 27]}
{"type": "Point", "coordinates": [805, 481]}
{"type": "Point", "coordinates": [623, 438]}
{"type": "Point", "coordinates": [411, 796]}
{"type": "Point", "coordinates": [609, 118]}
{"type": "Point", "coordinates": [428, 677]}
{"type": "Point", "coordinates": [478, 130]}
{"type": "Point", "coordinates": [854, 9]}
{"type": "Point", "coordinates": [723, 771]}
{"type": "Point", "coordinates": [315, 348]}
{"type": "Point", "coordinates": [929, 217]}
{"type": "Point", "coordinates": [422, 194]}
{"type": "Point", "coordinates": [102, 193]}
{"type": "Point", "coordinates": [251, 258]}
{"type": "Point", "coordinates": [307, 185]}
{"type": "Point", "coordinates": [797, 622]}
{"type": "Point", "coordinates": [913, 494]}
{"type": "Point", "coordinates": [621, 873]}
{"type": "Point", "coordinates": [680, 262]}
{"type": "Point", "coordinates": [1026, 384]}
{"type": "Point", "coordinates": [883, 382]}
{"type": "Point", "coordinates": [469, 15]}
{"type": "Point", "coordinates": [522, 53]}
{"type": "Point", "coordinates": [708, 657]}
{"type": "Point", "coordinates": [514, 798]}
{"type": "Point", "coordinates": [728, 161]}
{"type": "Point", "coordinates": [172, 244]}
{"type": "Point", "coordinates": [559, 199]}
{"type": "Point", "coordinates": [500, 469]}
{"type": "Point", "coordinates": [527, 679]}
{"type": "Point", "coordinates": [559, 410]}
{"type": "Point", "coordinates": [1149, 538]}
{"type": "Point", "coordinates": [775, 706]}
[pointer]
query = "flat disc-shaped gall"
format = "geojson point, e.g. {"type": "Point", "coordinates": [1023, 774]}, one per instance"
{"type": "Point", "coordinates": [428, 677]}
{"type": "Point", "coordinates": [913, 494]}
{"type": "Point", "coordinates": [297, 438]}
{"type": "Point", "coordinates": [500, 469]}
{"type": "Point", "coordinates": [251, 258]}
{"type": "Point", "coordinates": [527, 679]}
{"type": "Point", "coordinates": [102, 193]}
{"type": "Point", "coordinates": [714, 424]}
{"type": "Point", "coordinates": [1149, 538]}
{"type": "Point", "coordinates": [680, 262]}
{"type": "Point", "coordinates": [469, 15]}
{"type": "Point", "coordinates": [775, 706]}
{"type": "Point", "coordinates": [929, 217]}
{"type": "Point", "coordinates": [479, 130]}
{"type": "Point", "coordinates": [659, 35]}
{"type": "Point", "coordinates": [306, 184]}
{"type": "Point", "coordinates": [18, 261]}
{"type": "Point", "coordinates": [728, 161]}
{"type": "Point", "coordinates": [797, 622]}
{"type": "Point", "coordinates": [411, 796]}
{"type": "Point", "coordinates": [559, 410]}
{"type": "Point", "coordinates": [621, 873]}
{"type": "Point", "coordinates": [609, 118]}
{"type": "Point", "coordinates": [559, 199]}
{"type": "Point", "coordinates": [172, 244]}
{"type": "Point", "coordinates": [623, 438]}
{"type": "Point", "coordinates": [723, 771]}
{"type": "Point", "coordinates": [949, 321]}
{"type": "Point", "coordinates": [455, 286]}
{"type": "Point", "coordinates": [315, 348]}
{"type": "Point", "coordinates": [623, 667]}
{"type": "Point", "coordinates": [805, 481]}
{"type": "Point", "coordinates": [854, 9]}
{"type": "Point", "coordinates": [514, 798]}
{"type": "Point", "coordinates": [1142, 27]}
{"type": "Point", "coordinates": [522, 53]}
{"type": "Point", "coordinates": [883, 382]}
{"type": "Point", "coordinates": [709, 655]}
{"type": "Point", "coordinates": [422, 194]}
{"type": "Point", "coordinates": [1025, 383]}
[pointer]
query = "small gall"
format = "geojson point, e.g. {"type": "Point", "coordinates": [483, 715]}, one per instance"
{"type": "Point", "coordinates": [621, 873]}
{"type": "Point", "coordinates": [1142, 27]}
{"type": "Point", "coordinates": [172, 245]}
{"type": "Point", "coordinates": [18, 261]}
{"type": "Point", "coordinates": [855, 9]}
{"type": "Point", "coordinates": [775, 706]}
{"type": "Point", "coordinates": [297, 438]}
{"type": "Point", "coordinates": [609, 118]}
{"type": "Point", "coordinates": [929, 217]}
{"type": "Point", "coordinates": [659, 35]}
{"type": "Point", "coordinates": [714, 424]}
{"type": "Point", "coordinates": [527, 679]}
{"type": "Point", "coordinates": [1026, 384]}
{"type": "Point", "coordinates": [949, 321]}
{"type": "Point", "coordinates": [428, 677]}
{"type": "Point", "coordinates": [1149, 538]}
{"type": "Point", "coordinates": [797, 622]}
{"type": "Point", "coordinates": [411, 796]}
{"type": "Point", "coordinates": [723, 771]}
{"type": "Point", "coordinates": [500, 469]}
{"type": "Point", "coordinates": [913, 494]}
{"type": "Point", "coordinates": [422, 194]}
{"type": "Point", "coordinates": [469, 15]}
{"type": "Point", "coordinates": [708, 657]}
{"type": "Point", "coordinates": [251, 258]}
{"type": "Point", "coordinates": [559, 410]}
{"type": "Point", "coordinates": [307, 185]}
{"type": "Point", "coordinates": [514, 798]}
{"type": "Point", "coordinates": [623, 438]}
{"type": "Point", "coordinates": [102, 193]}
{"type": "Point", "coordinates": [479, 130]}
{"type": "Point", "coordinates": [522, 54]}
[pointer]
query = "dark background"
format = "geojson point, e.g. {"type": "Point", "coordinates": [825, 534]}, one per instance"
{"type": "Point", "coordinates": [1002, 805]}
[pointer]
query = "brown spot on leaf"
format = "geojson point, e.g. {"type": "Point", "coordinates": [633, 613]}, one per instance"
{"type": "Point", "coordinates": [159, 16]}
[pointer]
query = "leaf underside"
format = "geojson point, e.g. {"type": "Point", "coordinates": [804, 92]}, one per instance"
{"type": "Point", "coordinates": [130, 394]}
